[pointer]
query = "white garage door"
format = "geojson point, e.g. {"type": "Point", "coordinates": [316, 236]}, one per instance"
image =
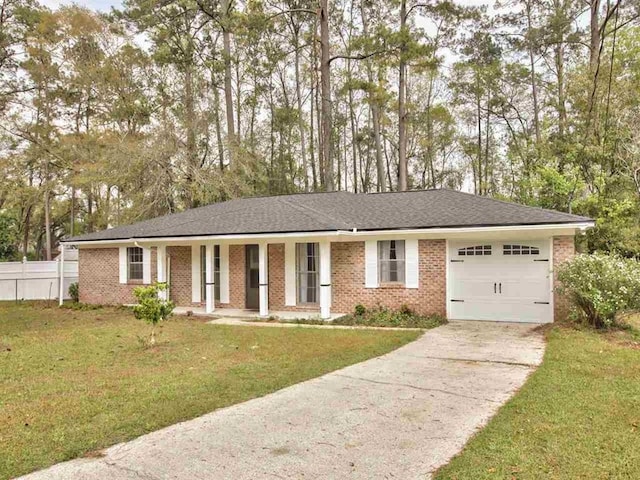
{"type": "Point", "coordinates": [500, 281]}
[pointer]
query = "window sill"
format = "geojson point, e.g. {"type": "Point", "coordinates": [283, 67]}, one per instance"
{"type": "Point", "coordinates": [135, 282]}
{"type": "Point", "coordinates": [392, 285]}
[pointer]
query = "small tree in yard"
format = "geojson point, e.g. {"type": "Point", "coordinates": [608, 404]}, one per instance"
{"type": "Point", "coordinates": [603, 287]}
{"type": "Point", "coordinates": [151, 308]}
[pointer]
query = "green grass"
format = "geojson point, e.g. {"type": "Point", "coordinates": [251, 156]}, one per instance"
{"type": "Point", "coordinates": [577, 417]}
{"type": "Point", "coordinates": [73, 381]}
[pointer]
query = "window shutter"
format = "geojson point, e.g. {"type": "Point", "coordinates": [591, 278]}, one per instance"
{"type": "Point", "coordinates": [146, 266]}
{"type": "Point", "coordinates": [290, 274]}
{"type": "Point", "coordinates": [224, 273]}
{"type": "Point", "coordinates": [122, 252]}
{"type": "Point", "coordinates": [411, 263]}
{"type": "Point", "coordinates": [371, 264]}
{"type": "Point", "coordinates": [195, 274]}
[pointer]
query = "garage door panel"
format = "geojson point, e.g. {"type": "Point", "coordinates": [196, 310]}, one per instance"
{"type": "Point", "coordinates": [537, 313]}
{"type": "Point", "coordinates": [500, 287]}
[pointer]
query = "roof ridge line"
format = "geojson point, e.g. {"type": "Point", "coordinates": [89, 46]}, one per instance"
{"type": "Point", "coordinates": [506, 202]}
{"type": "Point", "coordinates": [305, 208]}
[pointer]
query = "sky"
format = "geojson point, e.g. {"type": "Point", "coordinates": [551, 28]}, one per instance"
{"type": "Point", "coordinates": [101, 5]}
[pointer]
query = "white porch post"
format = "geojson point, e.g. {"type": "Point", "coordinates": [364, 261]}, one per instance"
{"type": "Point", "coordinates": [325, 279]}
{"type": "Point", "coordinates": [210, 279]}
{"type": "Point", "coordinates": [61, 280]}
{"type": "Point", "coordinates": [263, 266]}
{"type": "Point", "coordinates": [161, 264]}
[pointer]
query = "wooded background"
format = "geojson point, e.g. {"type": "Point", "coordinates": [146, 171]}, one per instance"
{"type": "Point", "coordinates": [163, 105]}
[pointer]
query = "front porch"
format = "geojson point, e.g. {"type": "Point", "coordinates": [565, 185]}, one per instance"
{"type": "Point", "coordinates": [280, 277]}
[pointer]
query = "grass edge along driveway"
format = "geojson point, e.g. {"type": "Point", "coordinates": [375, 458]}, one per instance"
{"type": "Point", "coordinates": [73, 382]}
{"type": "Point", "coordinates": [578, 416]}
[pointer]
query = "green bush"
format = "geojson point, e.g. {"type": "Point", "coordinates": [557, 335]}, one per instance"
{"type": "Point", "coordinates": [384, 317]}
{"type": "Point", "coordinates": [74, 292]}
{"type": "Point", "coordinates": [360, 310]}
{"type": "Point", "coordinates": [602, 287]}
{"type": "Point", "coordinates": [151, 308]}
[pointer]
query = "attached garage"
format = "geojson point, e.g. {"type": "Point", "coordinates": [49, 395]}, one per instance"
{"type": "Point", "coordinates": [508, 281]}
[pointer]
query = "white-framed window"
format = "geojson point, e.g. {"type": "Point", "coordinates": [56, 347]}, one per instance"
{"type": "Point", "coordinates": [135, 261]}
{"type": "Point", "coordinates": [391, 261]}
{"type": "Point", "coordinates": [476, 250]}
{"type": "Point", "coordinates": [308, 272]}
{"type": "Point", "coordinates": [216, 272]}
{"type": "Point", "coordinates": [520, 250]}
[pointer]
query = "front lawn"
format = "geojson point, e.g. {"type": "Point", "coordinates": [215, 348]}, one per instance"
{"type": "Point", "coordinates": [578, 416]}
{"type": "Point", "coordinates": [72, 382]}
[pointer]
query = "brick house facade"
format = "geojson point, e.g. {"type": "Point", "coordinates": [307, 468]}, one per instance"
{"type": "Point", "coordinates": [99, 278]}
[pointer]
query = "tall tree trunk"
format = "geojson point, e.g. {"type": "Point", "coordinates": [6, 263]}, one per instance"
{"type": "Point", "coordinates": [532, 66]}
{"type": "Point", "coordinates": [301, 125]}
{"type": "Point", "coordinates": [561, 107]}
{"type": "Point", "coordinates": [479, 116]}
{"type": "Point", "coordinates": [430, 139]}
{"type": "Point", "coordinates": [26, 231]}
{"type": "Point", "coordinates": [312, 140]}
{"type": "Point", "coordinates": [375, 108]}
{"type": "Point", "coordinates": [218, 126]}
{"type": "Point", "coordinates": [594, 35]}
{"type": "Point", "coordinates": [402, 114]}
{"type": "Point", "coordinates": [72, 212]}
{"type": "Point", "coordinates": [47, 216]}
{"type": "Point", "coordinates": [325, 84]}
{"type": "Point", "coordinates": [189, 123]}
{"type": "Point", "coordinates": [228, 96]}
{"type": "Point", "coordinates": [352, 121]}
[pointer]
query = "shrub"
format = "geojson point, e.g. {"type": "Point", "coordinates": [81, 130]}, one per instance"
{"type": "Point", "coordinates": [151, 308]}
{"type": "Point", "coordinates": [602, 287]}
{"type": "Point", "coordinates": [405, 309]}
{"type": "Point", "coordinates": [360, 310]}
{"type": "Point", "coordinates": [384, 317]}
{"type": "Point", "coordinates": [74, 292]}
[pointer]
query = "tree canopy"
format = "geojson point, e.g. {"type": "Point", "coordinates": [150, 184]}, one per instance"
{"type": "Point", "coordinates": [163, 105]}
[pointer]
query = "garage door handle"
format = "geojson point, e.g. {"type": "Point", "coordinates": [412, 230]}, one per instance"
{"type": "Point", "coordinates": [494, 288]}
{"type": "Point", "coordinates": [500, 288]}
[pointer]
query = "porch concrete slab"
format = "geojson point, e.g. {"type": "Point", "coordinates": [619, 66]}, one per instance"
{"type": "Point", "coordinates": [400, 415]}
{"type": "Point", "coordinates": [251, 314]}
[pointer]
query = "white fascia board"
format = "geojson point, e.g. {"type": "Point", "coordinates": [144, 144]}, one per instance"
{"type": "Point", "coordinates": [351, 235]}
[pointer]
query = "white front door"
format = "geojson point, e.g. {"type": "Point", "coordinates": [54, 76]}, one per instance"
{"type": "Point", "coordinates": [500, 281]}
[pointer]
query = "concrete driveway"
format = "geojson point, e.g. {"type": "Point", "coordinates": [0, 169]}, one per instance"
{"type": "Point", "coordinates": [401, 415]}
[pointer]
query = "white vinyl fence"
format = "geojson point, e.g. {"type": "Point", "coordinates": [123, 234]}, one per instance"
{"type": "Point", "coordinates": [35, 280]}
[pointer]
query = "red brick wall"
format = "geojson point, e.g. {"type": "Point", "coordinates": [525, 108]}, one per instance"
{"type": "Point", "coordinates": [563, 250]}
{"type": "Point", "coordinates": [236, 276]}
{"type": "Point", "coordinates": [180, 275]}
{"type": "Point", "coordinates": [99, 278]}
{"type": "Point", "coordinates": [347, 278]}
{"type": "Point", "coordinates": [276, 276]}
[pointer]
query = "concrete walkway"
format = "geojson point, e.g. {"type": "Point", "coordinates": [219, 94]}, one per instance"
{"type": "Point", "coordinates": [397, 416]}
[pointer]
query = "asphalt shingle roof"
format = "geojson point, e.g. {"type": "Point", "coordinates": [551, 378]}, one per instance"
{"type": "Point", "coordinates": [315, 212]}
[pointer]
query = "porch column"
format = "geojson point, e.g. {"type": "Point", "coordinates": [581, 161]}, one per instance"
{"type": "Point", "coordinates": [61, 279]}
{"type": "Point", "coordinates": [263, 266]}
{"type": "Point", "coordinates": [210, 279]}
{"type": "Point", "coordinates": [161, 264]}
{"type": "Point", "coordinates": [325, 279]}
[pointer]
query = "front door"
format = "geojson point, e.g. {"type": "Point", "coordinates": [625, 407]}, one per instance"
{"type": "Point", "coordinates": [252, 276]}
